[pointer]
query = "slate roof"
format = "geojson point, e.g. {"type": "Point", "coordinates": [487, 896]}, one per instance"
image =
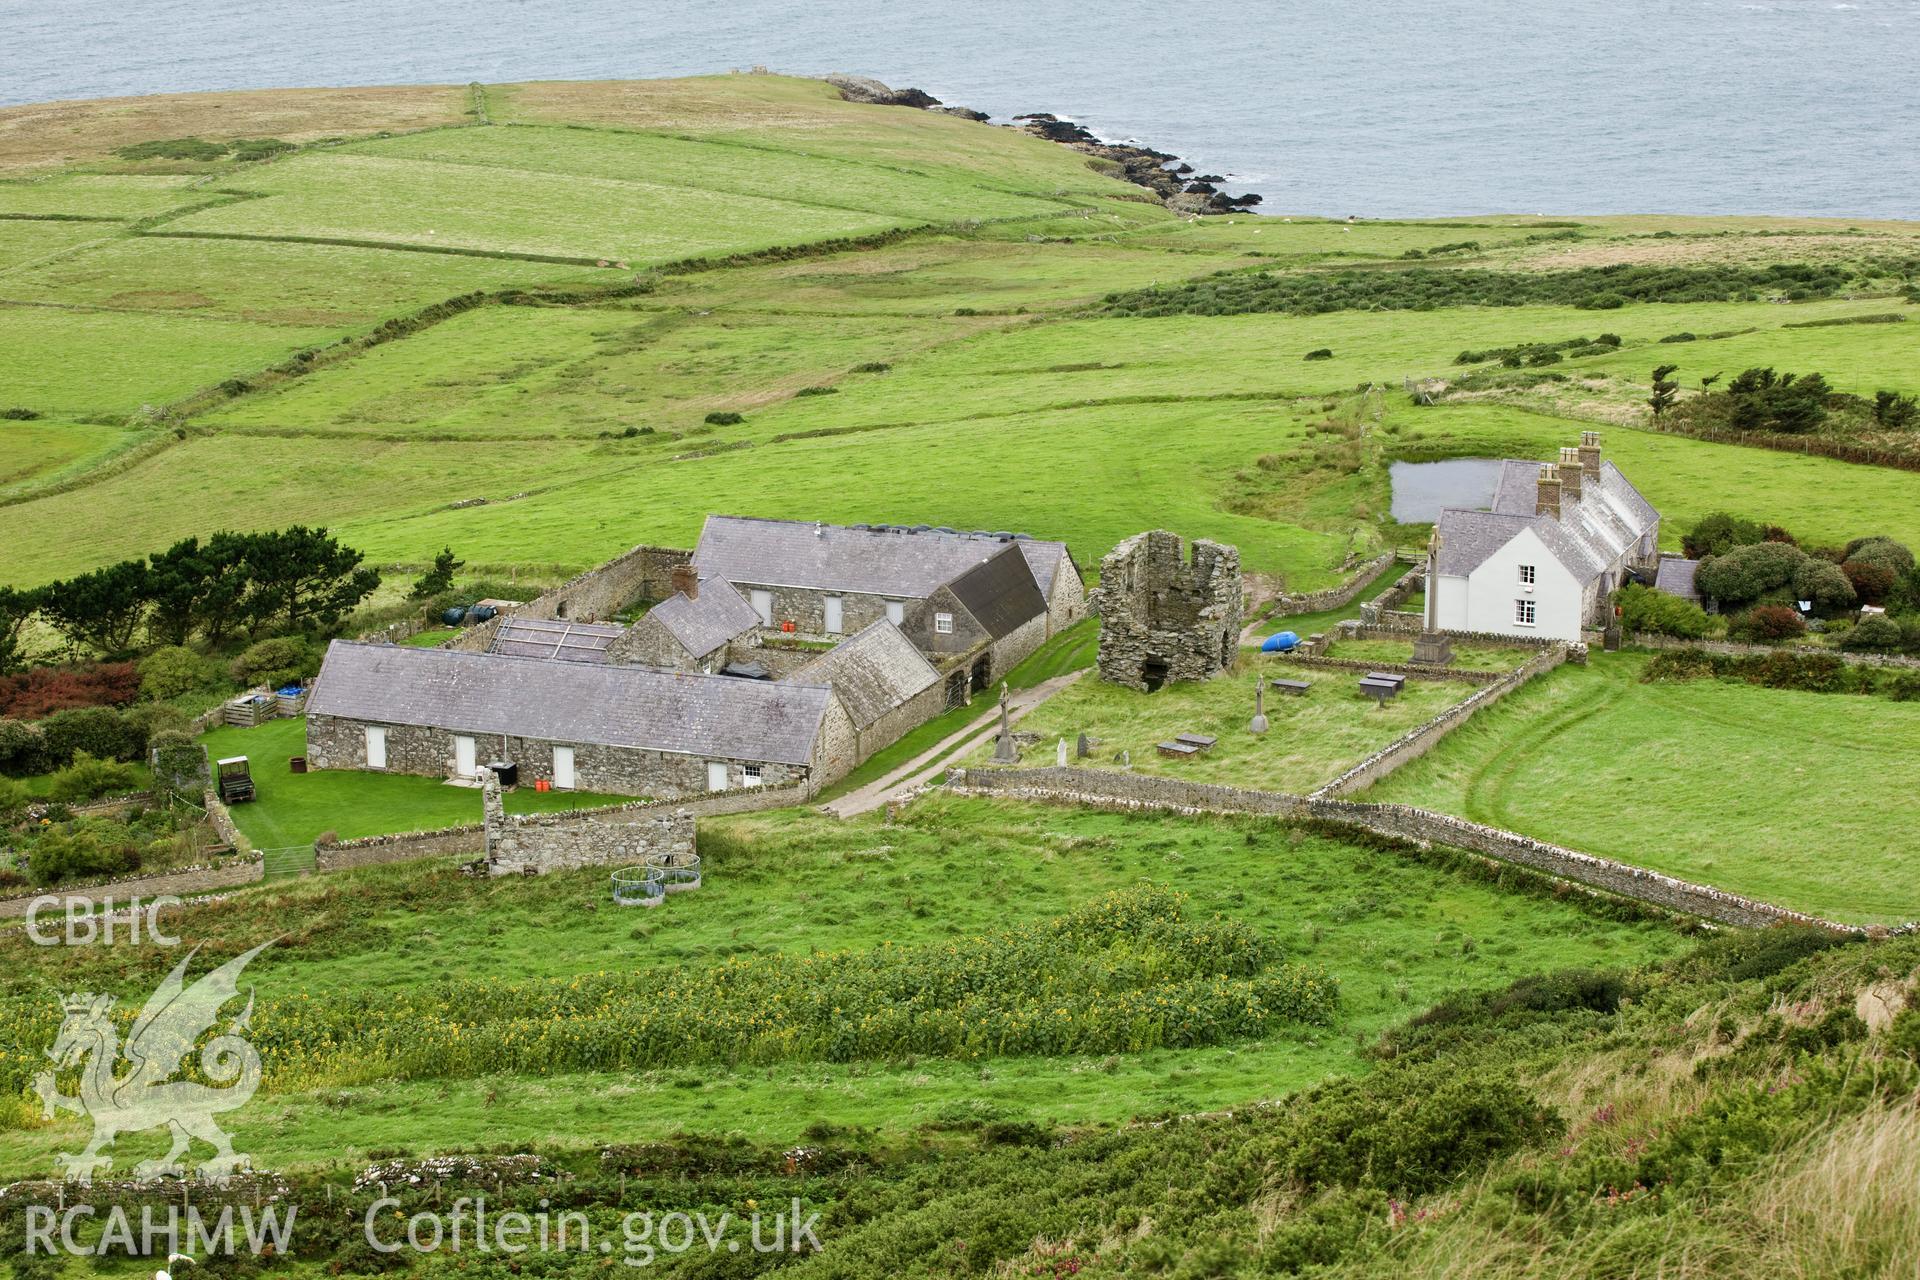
{"type": "Point", "coordinates": [554, 638]}
{"type": "Point", "coordinates": [607, 705]}
{"type": "Point", "coordinates": [1045, 559]}
{"type": "Point", "coordinates": [1675, 577]}
{"type": "Point", "coordinates": [874, 672]}
{"type": "Point", "coordinates": [701, 625]}
{"type": "Point", "coordinates": [1594, 531]}
{"type": "Point", "coordinates": [1001, 594]}
{"type": "Point", "coordinates": [824, 557]}
{"type": "Point", "coordinates": [1468, 538]}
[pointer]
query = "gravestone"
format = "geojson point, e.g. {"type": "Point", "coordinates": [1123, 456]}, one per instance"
{"type": "Point", "coordinates": [1259, 725]}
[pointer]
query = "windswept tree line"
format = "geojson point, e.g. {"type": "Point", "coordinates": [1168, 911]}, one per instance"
{"type": "Point", "coordinates": [227, 587]}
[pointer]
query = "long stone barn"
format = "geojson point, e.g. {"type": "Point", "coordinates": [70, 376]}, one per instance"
{"type": "Point", "coordinates": [604, 727]}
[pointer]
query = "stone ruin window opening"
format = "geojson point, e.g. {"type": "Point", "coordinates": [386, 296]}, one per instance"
{"type": "Point", "coordinates": [1153, 674]}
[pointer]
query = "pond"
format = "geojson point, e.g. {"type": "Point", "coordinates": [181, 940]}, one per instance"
{"type": "Point", "coordinates": [1421, 489]}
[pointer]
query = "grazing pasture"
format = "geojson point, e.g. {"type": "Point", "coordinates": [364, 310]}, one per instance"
{"type": "Point", "coordinates": [1787, 796]}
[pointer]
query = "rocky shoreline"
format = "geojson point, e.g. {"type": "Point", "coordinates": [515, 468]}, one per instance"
{"type": "Point", "coordinates": [1170, 178]}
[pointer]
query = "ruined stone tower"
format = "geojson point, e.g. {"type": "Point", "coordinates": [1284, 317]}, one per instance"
{"type": "Point", "coordinates": [1165, 616]}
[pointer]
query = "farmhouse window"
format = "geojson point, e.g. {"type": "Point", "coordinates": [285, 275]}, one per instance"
{"type": "Point", "coordinates": [752, 772]}
{"type": "Point", "coordinates": [1526, 575]}
{"type": "Point", "coordinates": [1523, 612]}
{"type": "Point", "coordinates": [943, 623]}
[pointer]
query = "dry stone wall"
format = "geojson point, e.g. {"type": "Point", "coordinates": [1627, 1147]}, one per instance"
{"type": "Point", "coordinates": [182, 883]}
{"type": "Point", "coordinates": [1118, 790]}
{"type": "Point", "coordinates": [1421, 739]}
{"type": "Point", "coordinates": [536, 843]}
{"type": "Point", "coordinates": [1286, 605]}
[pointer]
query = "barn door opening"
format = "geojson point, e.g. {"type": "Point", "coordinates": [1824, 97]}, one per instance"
{"type": "Point", "coordinates": [956, 690]}
{"type": "Point", "coordinates": [716, 775]}
{"type": "Point", "coordinates": [982, 673]}
{"type": "Point", "coordinates": [376, 747]}
{"type": "Point", "coordinates": [563, 768]}
{"type": "Point", "coordinates": [1153, 674]}
{"type": "Point", "coordinates": [463, 757]}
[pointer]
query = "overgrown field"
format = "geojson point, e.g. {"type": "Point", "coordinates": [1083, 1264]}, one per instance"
{"type": "Point", "coordinates": [1790, 797]}
{"type": "Point", "coordinates": [954, 883]}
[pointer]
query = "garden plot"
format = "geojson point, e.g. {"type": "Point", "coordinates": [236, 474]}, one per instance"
{"type": "Point", "coordinates": [1312, 739]}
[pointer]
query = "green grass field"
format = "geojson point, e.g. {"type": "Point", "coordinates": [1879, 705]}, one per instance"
{"type": "Point", "coordinates": [293, 809]}
{"type": "Point", "coordinates": [1790, 797]}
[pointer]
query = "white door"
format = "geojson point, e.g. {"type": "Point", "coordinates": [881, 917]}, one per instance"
{"type": "Point", "coordinates": [833, 615]}
{"type": "Point", "coordinates": [463, 757]}
{"type": "Point", "coordinates": [716, 776]}
{"type": "Point", "coordinates": [896, 612]}
{"type": "Point", "coordinates": [376, 747]}
{"type": "Point", "coordinates": [763, 605]}
{"type": "Point", "coordinates": [563, 768]}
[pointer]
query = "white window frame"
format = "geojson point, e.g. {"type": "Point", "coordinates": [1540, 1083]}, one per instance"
{"type": "Point", "coordinates": [943, 623]}
{"type": "Point", "coordinates": [1525, 614]}
{"type": "Point", "coordinates": [1529, 576]}
{"type": "Point", "coordinates": [752, 775]}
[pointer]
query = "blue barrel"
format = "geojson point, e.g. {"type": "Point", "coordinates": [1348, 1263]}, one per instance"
{"type": "Point", "coordinates": [1281, 642]}
{"type": "Point", "coordinates": [455, 615]}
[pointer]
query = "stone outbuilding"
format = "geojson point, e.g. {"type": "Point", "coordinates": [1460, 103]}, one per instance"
{"type": "Point", "coordinates": [885, 684]}
{"type": "Point", "coordinates": [691, 630]}
{"type": "Point", "coordinates": [605, 727]}
{"type": "Point", "coordinates": [1167, 616]}
{"type": "Point", "coordinates": [826, 581]}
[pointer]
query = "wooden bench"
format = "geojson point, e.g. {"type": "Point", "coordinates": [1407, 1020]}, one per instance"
{"type": "Point", "coordinates": [1294, 688]}
{"type": "Point", "coordinates": [1198, 741]}
{"type": "Point", "coordinates": [1178, 750]}
{"type": "Point", "coordinates": [1393, 678]}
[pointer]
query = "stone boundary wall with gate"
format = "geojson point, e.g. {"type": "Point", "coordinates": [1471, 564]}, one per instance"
{"type": "Point", "coordinates": [1286, 606]}
{"type": "Point", "coordinates": [1421, 739]}
{"type": "Point", "coordinates": [1114, 789]}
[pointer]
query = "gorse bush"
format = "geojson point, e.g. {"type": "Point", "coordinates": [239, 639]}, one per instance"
{"type": "Point", "coordinates": [1428, 289]}
{"type": "Point", "coordinates": [1126, 973]}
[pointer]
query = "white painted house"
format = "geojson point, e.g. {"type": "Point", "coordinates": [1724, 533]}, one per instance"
{"type": "Point", "coordinates": [1543, 562]}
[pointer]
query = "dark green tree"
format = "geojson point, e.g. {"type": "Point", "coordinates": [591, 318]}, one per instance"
{"type": "Point", "coordinates": [439, 579]}
{"type": "Point", "coordinates": [1894, 411]}
{"type": "Point", "coordinates": [303, 578]}
{"type": "Point", "coordinates": [1664, 390]}
{"type": "Point", "coordinates": [15, 608]}
{"type": "Point", "coordinates": [100, 610]}
{"type": "Point", "coordinates": [195, 587]}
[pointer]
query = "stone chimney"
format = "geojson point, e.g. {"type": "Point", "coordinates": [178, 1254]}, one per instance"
{"type": "Point", "coordinates": [1547, 497]}
{"type": "Point", "coordinates": [1570, 475]}
{"type": "Point", "coordinates": [686, 582]}
{"type": "Point", "coordinates": [1590, 455]}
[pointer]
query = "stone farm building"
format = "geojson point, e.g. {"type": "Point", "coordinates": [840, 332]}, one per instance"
{"type": "Point", "coordinates": [608, 727]}
{"type": "Point", "coordinates": [774, 653]}
{"type": "Point", "coordinates": [1544, 561]}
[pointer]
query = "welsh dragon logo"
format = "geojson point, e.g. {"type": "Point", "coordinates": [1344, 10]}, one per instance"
{"type": "Point", "coordinates": [132, 1087]}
